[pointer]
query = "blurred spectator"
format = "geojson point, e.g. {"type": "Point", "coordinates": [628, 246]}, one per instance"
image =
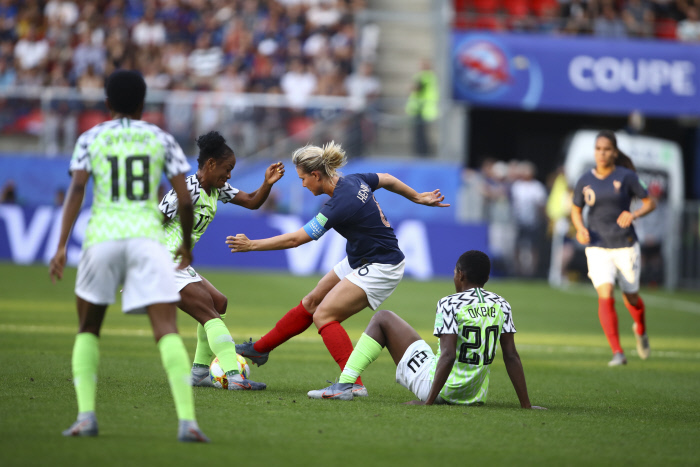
{"type": "Point", "coordinates": [149, 32]}
{"type": "Point", "coordinates": [205, 61]}
{"type": "Point", "coordinates": [608, 23]}
{"type": "Point", "coordinates": [529, 198]}
{"type": "Point", "coordinates": [298, 84]}
{"type": "Point", "coordinates": [635, 123]}
{"type": "Point", "coordinates": [639, 18]}
{"type": "Point", "coordinates": [8, 77]}
{"type": "Point", "coordinates": [8, 19]}
{"type": "Point", "coordinates": [688, 30]}
{"type": "Point", "coordinates": [422, 106]}
{"type": "Point", "coordinates": [9, 193]}
{"type": "Point", "coordinates": [232, 80]}
{"type": "Point", "coordinates": [66, 13]}
{"type": "Point", "coordinates": [31, 51]}
{"type": "Point", "coordinates": [363, 86]}
{"type": "Point", "coordinates": [498, 210]}
{"type": "Point", "coordinates": [558, 211]}
{"type": "Point", "coordinates": [323, 14]}
{"type": "Point", "coordinates": [179, 116]}
{"type": "Point", "coordinates": [175, 59]}
{"type": "Point", "coordinates": [88, 55]}
{"type": "Point", "coordinates": [90, 81]}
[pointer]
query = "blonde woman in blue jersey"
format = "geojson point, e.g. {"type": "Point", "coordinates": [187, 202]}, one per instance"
{"type": "Point", "coordinates": [198, 297]}
{"type": "Point", "coordinates": [367, 276]}
{"type": "Point", "coordinates": [612, 249]}
{"type": "Point", "coordinates": [469, 324]}
{"type": "Point", "coordinates": [124, 244]}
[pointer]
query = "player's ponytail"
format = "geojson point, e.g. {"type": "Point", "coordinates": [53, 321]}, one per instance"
{"type": "Point", "coordinates": [622, 160]}
{"type": "Point", "coordinates": [212, 146]}
{"type": "Point", "coordinates": [327, 159]}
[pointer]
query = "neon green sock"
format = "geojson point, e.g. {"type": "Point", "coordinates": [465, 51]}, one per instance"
{"type": "Point", "coordinates": [203, 355]}
{"type": "Point", "coordinates": [86, 358]}
{"type": "Point", "coordinates": [366, 351]}
{"type": "Point", "coordinates": [176, 363]}
{"type": "Point", "coordinates": [222, 344]}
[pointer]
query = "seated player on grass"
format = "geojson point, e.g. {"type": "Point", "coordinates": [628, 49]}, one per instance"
{"type": "Point", "coordinates": [468, 323]}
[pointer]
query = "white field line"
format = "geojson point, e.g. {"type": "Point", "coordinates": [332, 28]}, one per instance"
{"type": "Point", "coordinates": [535, 348]}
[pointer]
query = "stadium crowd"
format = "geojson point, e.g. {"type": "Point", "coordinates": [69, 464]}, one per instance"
{"type": "Point", "coordinates": [297, 48]}
{"type": "Point", "coordinates": [664, 19]}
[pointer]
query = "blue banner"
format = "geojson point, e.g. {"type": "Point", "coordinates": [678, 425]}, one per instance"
{"type": "Point", "coordinates": [582, 74]}
{"type": "Point", "coordinates": [30, 235]}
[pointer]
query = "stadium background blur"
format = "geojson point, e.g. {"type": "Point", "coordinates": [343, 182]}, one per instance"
{"type": "Point", "coordinates": [274, 75]}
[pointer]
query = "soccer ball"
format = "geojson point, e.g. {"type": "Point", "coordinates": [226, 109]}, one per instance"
{"type": "Point", "coordinates": [218, 376]}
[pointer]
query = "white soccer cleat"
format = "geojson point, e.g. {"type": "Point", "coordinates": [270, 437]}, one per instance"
{"type": "Point", "coordinates": [188, 432]}
{"type": "Point", "coordinates": [643, 349]}
{"type": "Point", "coordinates": [358, 390]}
{"type": "Point", "coordinates": [618, 359]}
{"type": "Point", "coordinates": [200, 377]}
{"type": "Point", "coordinates": [338, 391]}
{"type": "Point", "coordinates": [239, 383]}
{"type": "Point", "coordinates": [86, 425]}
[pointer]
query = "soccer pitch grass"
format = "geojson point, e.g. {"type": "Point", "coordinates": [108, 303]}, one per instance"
{"type": "Point", "coordinates": [647, 413]}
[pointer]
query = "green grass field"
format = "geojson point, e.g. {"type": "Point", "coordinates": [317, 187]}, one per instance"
{"type": "Point", "coordinates": [647, 413]}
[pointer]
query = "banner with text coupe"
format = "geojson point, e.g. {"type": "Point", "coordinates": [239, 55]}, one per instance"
{"type": "Point", "coordinates": [582, 74]}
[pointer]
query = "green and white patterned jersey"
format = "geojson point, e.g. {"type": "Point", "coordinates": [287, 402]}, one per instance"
{"type": "Point", "coordinates": [478, 317]}
{"type": "Point", "coordinates": [204, 206]}
{"type": "Point", "coordinates": [126, 159]}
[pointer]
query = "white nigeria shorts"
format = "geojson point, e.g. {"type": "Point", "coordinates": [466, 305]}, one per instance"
{"type": "Point", "coordinates": [144, 266]}
{"type": "Point", "coordinates": [607, 264]}
{"type": "Point", "coordinates": [185, 276]}
{"type": "Point", "coordinates": [413, 371]}
{"type": "Point", "coordinates": [376, 279]}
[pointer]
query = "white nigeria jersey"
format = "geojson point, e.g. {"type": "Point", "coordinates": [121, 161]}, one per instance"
{"type": "Point", "coordinates": [126, 158]}
{"type": "Point", "coordinates": [204, 205]}
{"type": "Point", "coordinates": [478, 317]}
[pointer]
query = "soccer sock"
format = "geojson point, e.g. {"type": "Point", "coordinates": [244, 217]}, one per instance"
{"type": "Point", "coordinates": [338, 343]}
{"type": "Point", "coordinates": [366, 351]}
{"type": "Point", "coordinates": [86, 357]}
{"type": "Point", "coordinates": [608, 320]}
{"type": "Point", "coordinates": [222, 345]}
{"type": "Point", "coordinates": [203, 355]}
{"type": "Point", "coordinates": [637, 313]}
{"type": "Point", "coordinates": [176, 363]}
{"type": "Point", "coordinates": [294, 322]}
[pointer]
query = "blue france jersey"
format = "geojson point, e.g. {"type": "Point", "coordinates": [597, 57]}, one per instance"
{"type": "Point", "coordinates": [606, 199]}
{"type": "Point", "coordinates": [354, 213]}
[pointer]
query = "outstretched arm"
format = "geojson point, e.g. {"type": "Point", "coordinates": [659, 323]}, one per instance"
{"type": "Point", "coordinates": [241, 243]}
{"type": "Point", "coordinates": [429, 198]}
{"type": "Point", "coordinates": [256, 199]}
{"type": "Point", "coordinates": [71, 208]}
{"type": "Point", "coordinates": [514, 367]}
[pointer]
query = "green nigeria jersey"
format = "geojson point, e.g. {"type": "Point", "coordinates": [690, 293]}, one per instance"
{"type": "Point", "coordinates": [126, 159]}
{"type": "Point", "coordinates": [478, 317]}
{"type": "Point", "coordinates": [204, 206]}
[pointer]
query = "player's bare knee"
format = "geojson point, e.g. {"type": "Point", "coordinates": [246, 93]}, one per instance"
{"type": "Point", "coordinates": [311, 302]}
{"type": "Point", "coordinates": [221, 304]}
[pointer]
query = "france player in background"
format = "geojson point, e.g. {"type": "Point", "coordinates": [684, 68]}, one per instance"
{"type": "Point", "coordinates": [612, 249]}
